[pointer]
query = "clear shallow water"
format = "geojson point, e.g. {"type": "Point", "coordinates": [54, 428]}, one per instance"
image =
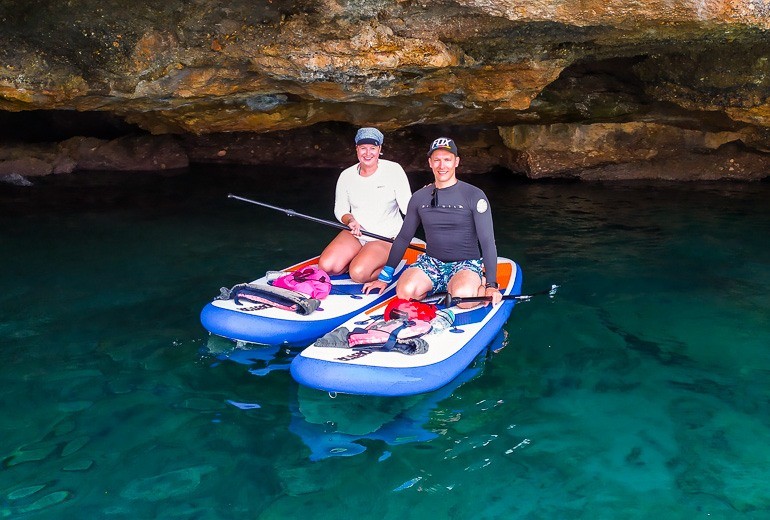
{"type": "Point", "coordinates": [641, 389]}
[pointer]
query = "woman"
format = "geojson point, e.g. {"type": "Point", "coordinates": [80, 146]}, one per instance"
{"type": "Point", "coordinates": [370, 196]}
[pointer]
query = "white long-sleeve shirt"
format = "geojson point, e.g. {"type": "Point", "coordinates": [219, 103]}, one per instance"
{"type": "Point", "coordinates": [376, 201]}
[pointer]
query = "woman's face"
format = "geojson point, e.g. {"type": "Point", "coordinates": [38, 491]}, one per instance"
{"type": "Point", "coordinates": [368, 154]}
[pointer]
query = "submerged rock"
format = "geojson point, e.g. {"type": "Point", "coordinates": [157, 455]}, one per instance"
{"type": "Point", "coordinates": [52, 499]}
{"type": "Point", "coordinates": [166, 485]}
{"type": "Point", "coordinates": [25, 492]}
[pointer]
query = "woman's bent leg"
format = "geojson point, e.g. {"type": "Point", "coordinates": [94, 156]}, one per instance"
{"type": "Point", "coordinates": [368, 263]}
{"type": "Point", "coordinates": [336, 257]}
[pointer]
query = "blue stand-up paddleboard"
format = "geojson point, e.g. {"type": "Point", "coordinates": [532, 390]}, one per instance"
{"type": "Point", "coordinates": [391, 373]}
{"type": "Point", "coordinates": [259, 323]}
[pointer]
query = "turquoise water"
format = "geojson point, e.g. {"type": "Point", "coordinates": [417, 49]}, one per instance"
{"type": "Point", "coordinates": [639, 391]}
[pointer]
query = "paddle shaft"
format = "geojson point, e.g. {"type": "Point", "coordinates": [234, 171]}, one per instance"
{"type": "Point", "coordinates": [292, 213]}
{"type": "Point", "coordinates": [449, 300]}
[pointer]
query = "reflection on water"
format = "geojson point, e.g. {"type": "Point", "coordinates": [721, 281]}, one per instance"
{"type": "Point", "coordinates": [261, 359]}
{"type": "Point", "coordinates": [331, 424]}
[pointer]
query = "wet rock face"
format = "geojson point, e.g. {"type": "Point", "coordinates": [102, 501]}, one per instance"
{"type": "Point", "coordinates": [689, 75]}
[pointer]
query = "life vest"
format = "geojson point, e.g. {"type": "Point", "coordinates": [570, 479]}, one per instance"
{"type": "Point", "coordinates": [402, 309]}
{"type": "Point", "coordinates": [396, 335]}
{"type": "Point", "coordinates": [384, 334]}
{"type": "Point", "coordinates": [311, 281]}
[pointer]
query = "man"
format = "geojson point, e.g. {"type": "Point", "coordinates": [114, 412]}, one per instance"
{"type": "Point", "coordinates": [457, 219]}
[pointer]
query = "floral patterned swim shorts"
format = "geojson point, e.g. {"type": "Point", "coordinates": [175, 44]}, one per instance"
{"type": "Point", "coordinates": [441, 272]}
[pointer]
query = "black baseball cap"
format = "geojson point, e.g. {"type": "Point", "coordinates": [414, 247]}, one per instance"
{"type": "Point", "coordinates": [443, 143]}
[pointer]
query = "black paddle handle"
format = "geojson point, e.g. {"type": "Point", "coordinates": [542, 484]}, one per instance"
{"type": "Point", "coordinates": [292, 213]}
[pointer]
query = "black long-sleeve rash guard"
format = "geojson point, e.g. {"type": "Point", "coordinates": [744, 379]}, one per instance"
{"type": "Point", "coordinates": [456, 220]}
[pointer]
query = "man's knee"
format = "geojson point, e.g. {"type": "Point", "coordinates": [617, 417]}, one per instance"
{"type": "Point", "coordinates": [464, 284]}
{"type": "Point", "coordinates": [413, 285]}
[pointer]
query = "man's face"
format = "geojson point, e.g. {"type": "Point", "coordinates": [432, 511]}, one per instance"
{"type": "Point", "coordinates": [443, 163]}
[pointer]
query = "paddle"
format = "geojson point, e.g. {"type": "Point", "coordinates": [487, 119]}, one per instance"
{"type": "Point", "coordinates": [292, 213]}
{"type": "Point", "coordinates": [448, 300]}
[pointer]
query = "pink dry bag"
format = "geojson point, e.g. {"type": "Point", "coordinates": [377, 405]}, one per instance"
{"type": "Point", "coordinates": [310, 280]}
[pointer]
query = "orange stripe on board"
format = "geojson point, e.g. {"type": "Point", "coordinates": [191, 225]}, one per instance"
{"type": "Point", "coordinates": [379, 306]}
{"type": "Point", "coordinates": [306, 263]}
{"type": "Point", "coordinates": [504, 272]}
{"type": "Point", "coordinates": [411, 254]}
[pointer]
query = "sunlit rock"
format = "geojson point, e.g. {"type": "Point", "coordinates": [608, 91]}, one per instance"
{"type": "Point", "coordinates": [199, 69]}
{"type": "Point", "coordinates": [595, 151]}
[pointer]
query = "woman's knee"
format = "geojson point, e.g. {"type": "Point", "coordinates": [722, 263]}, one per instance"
{"type": "Point", "coordinates": [331, 265]}
{"type": "Point", "coordinates": [362, 273]}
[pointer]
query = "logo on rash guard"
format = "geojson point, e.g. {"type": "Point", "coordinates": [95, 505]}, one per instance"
{"type": "Point", "coordinates": [482, 206]}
